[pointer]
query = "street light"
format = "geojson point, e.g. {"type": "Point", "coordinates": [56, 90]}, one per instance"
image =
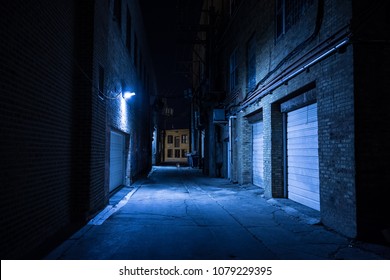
{"type": "Point", "coordinates": [128, 94]}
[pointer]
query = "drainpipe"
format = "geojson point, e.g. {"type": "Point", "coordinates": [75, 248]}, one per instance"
{"type": "Point", "coordinates": [288, 77]}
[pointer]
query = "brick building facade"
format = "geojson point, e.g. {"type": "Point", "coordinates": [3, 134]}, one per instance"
{"type": "Point", "coordinates": [301, 84]}
{"type": "Point", "coordinates": [64, 120]}
{"type": "Point", "coordinates": [176, 143]}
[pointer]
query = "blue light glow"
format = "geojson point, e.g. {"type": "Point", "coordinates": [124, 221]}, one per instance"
{"type": "Point", "coordinates": [128, 94]}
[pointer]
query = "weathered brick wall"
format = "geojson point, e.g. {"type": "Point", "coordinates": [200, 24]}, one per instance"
{"type": "Point", "coordinates": [336, 143]}
{"type": "Point", "coordinates": [99, 178]}
{"type": "Point", "coordinates": [37, 117]}
{"type": "Point", "coordinates": [244, 151]}
{"type": "Point", "coordinates": [332, 81]}
{"type": "Point", "coordinates": [130, 67]}
{"type": "Point", "coordinates": [54, 121]}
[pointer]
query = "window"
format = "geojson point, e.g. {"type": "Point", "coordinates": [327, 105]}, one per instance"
{"type": "Point", "coordinates": [177, 153]}
{"type": "Point", "coordinates": [233, 70]}
{"type": "Point", "coordinates": [177, 141]}
{"type": "Point", "coordinates": [184, 139]}
{"type": "Point", "coordinates": [170, 153]}
{"type": "Point", "coordinates": [251, 63]}
{"type": "Point", "coordinates": [118, 12]}
{"type": "Point", "coordinates": [128, 31]}
{"type": "Point", "coordinates": [183, 153]}
{"type": "Point", "coordinates": [288, 13]}
{"type": "Point", "coordinates": [170, 139]}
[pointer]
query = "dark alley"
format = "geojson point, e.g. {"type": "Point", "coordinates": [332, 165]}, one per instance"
{"type": "Point", "coordinates": [177, 213]}
{"type": "Point", "coordinates": [194, 130]}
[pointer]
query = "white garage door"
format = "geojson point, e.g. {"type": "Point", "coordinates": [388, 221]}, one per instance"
{"type": "Point", "coordinates": [117, 160]}
{"type": "Point", "coordinates": [257, 159]}
{"type": "Point", "coordinates": [302, 156]}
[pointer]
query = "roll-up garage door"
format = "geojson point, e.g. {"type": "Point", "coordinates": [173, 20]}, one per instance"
{"type": "Point", "coordinates": [302, 156]}
{"type": "Point", "coordinates": [117, 160]}
{"type": "Point", "coordinates": [257, 154]}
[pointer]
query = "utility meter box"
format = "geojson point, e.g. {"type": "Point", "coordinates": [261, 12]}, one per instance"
{"type": "Point", "coordinates": [219, 115]}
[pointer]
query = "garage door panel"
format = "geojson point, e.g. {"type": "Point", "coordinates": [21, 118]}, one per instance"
{"type": "Point", "coordinates": [304, 161]}
{"type": "Point", "coordinates": [307, 137]}
{"type": "Point", "coordinates": [257, 154]}
{"type": "Point", "coordinates": [303, 171]}
{"type": "Point", "coordinates": [117, 164]}
{"type": "Point", "coordinates": [302, 116]}
{"type": "Point", "coordinates": [302, 133]}
{"type": "Point", "coordinates": [305, 201]}
{"type": "Point", "coordinates": [302, 153]}
{"type": "Point", "coordinates": [311, 195]}
{"type": "Point", "coordinates": [302, 156]}
{"type": "Point", "coordinates": [308, 182]}
{"type": "Point", "coordinates": [303, 145]}
{"type": "Point", "coordinates": [302, 126]}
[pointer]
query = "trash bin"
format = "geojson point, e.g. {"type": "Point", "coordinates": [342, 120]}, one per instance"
{"type": "Point", "coordinates": [195, 160]}
{"type": "Point", "coordinates": [189, 159]}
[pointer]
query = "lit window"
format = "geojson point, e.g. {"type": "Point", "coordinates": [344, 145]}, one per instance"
{"type": "Point", "coordinates": [184, 139]}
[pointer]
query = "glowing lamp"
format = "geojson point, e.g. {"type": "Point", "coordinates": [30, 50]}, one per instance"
{"type": "Point", "coordinates": [128, 94]}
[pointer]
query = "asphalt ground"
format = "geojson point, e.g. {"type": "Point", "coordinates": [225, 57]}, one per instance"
{"type": "Point", "coordinates": [177, 213]}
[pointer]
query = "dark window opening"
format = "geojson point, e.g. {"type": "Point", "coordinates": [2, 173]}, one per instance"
{"type": "Point", "coordinates": [177, 141]}
{"type": "Point", "coordinates": [288, 13]}
{"type": "Point", "coordinates": [251, 63]}
{"type": "Point", "coordinates": [170, 139]}
{"type": "Point", "coordinates": [177, 153]}
{"type": "Point", "coordinates": [170, 153]}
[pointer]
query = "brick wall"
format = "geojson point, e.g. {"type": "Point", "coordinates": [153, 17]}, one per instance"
{"type": "Point", "coordinates": [55, 122]}
{"type": "Point", "coordinates": [130, 67]}
{"type": "Point", "coordinates": [37, 118]}
{"type": "Point", "coordinates": [99, 178]}
{"type": "Point", "coordinates": [331, 79]}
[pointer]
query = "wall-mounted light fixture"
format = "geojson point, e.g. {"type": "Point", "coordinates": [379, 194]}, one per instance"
{"type": "Point", "coordinates": [127, 94]}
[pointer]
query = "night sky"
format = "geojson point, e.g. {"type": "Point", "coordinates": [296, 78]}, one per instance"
{"type": "Point", "coordinates": [162, 22]}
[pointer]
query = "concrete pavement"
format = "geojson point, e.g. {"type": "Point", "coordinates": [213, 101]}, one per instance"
{"type": "Point", "coordinates": [177, 213]}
